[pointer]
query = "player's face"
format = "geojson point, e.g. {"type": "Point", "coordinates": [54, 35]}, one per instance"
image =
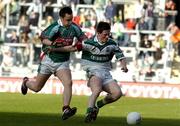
{"type": "Point", "coordinates": [103, 37]}
{"type": "Point", "coordinates": [67, 20]}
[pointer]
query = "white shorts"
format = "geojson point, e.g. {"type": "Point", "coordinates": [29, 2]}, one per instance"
{"type": "Point", "coordinates": [104, 74]}
{"type": "Point", "coordinates": [47, 66]}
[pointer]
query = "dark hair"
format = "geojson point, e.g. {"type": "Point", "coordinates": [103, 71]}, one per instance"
{"type": "Point", "coordinates": [101, 26]}
{"type": "Point", "coordinates": [65, 10]}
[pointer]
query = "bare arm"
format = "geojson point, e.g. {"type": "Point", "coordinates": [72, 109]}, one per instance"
{"type": "Point", "coordinates": [69, 48]}
{"type": "Point", "coordinates": [47, 42]}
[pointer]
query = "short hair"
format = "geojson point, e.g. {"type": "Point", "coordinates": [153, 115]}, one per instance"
{"type": "Point", "coordinates": [101, 26]}
{"type": "Point", "coordinates": [65, 10]}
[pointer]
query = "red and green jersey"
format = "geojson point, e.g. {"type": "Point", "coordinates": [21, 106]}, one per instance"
{"type": "Point", "coordinates": [64, 36]}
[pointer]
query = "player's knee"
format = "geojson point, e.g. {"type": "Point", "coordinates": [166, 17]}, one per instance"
{"type": "Point", "coordinates": [116, 95]}
{"type": "Point", "coordinates": [37, 88]}
{"type": "Point", "coordinates": [68, 84]}
{"type": "Point", "coordinates": [97, 91]}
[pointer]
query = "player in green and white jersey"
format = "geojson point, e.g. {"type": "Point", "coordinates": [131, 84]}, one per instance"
{"type": "Point", "coordinates": [97, 54]}
{"type": "Point", "coordinates": [57, 40]}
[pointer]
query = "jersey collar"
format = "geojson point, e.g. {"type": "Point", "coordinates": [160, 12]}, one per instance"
{"type": "Point", "coordinates": [59, 22]}
{"type": "Point", "coordinates": [96, 40]}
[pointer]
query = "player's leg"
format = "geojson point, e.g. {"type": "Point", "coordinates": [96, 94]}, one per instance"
{"type": "Point", "coordinates": [35, 84]}
{"type": "Point", "coordinates": [114, 93]}
{"type": "Point", "coordinates": [91, 114]}
{"type": "Point", "coordinates": [44, 72]}
{"type": "Point", "coordinates": [95, 83]}
{"type": "Point", "coordinates": [65, 76]}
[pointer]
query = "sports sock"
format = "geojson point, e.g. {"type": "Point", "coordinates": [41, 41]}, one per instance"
{"type": "Point", "coordinates": [90, 109]}
{"type": "Point", "coordinates": [100, 103]}
{"type": "Point", "coordinates": [65, 107]}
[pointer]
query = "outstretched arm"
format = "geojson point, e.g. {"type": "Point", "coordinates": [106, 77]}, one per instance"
{"type": "Point", "coordinates": [69, 48]}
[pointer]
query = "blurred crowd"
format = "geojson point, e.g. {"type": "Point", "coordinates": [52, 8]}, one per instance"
{"type": "Point", "coordinates": [21, 21]}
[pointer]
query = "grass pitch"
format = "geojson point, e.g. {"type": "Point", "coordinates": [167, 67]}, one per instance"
{"type": "Point", "coordinates": [45, 110]}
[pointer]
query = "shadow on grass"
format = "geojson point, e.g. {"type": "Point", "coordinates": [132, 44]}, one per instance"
{"type": "Point", "coordinates": [34, 119]}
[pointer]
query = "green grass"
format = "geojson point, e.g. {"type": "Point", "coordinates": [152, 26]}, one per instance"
{"type": "Point", "coordinates": [45, 110]}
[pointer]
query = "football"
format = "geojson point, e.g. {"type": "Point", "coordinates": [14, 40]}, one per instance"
{"type": "Point", "coordinates": [133, 118]}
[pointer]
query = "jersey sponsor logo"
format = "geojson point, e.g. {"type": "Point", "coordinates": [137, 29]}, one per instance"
{"type": "Point", "coordinates": [102, 58]}
{"type": "Point", "coordinates": [64, 41]}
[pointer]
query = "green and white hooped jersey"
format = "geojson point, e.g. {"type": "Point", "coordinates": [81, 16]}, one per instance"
{"type": "Point", "coordinates": [63, 36]}
{"type": "Point", "coordinates": [99, 55]}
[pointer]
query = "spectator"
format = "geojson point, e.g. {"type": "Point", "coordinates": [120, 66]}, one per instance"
{"type": "Point", "coordinates": [110, 11]}
{"type": "Point", "coordinates": [15, 39]}
{"type": "Point", "coordinates": [149, 15]}
{"type": "Point", "coordinates": [82, 16]}
{"type": "Point", "coordinates": [145, 43]}
{"type": "Point", "coordinates": [99, 4]}
{"type": "Point", "coordinates": [142, 24]}
{"type": "Point", "coordinates": [37, 47]}
{"type": "Point", "coordinates": [170, 5]}
{"type": "Point", "coordinates": [158, 44]}
{"type": "Point", "coordinates": [129, 25]}
{"type": "Point", "coordinates": [87, 22]}
{"type": "Point", "coordinates": [14, 12]}
{"type": "Point", "coordinates": [76, 20]}
{"type": "Point", "coordinates": [23, 24]}
{"type": "Point", "coordinates": [175, 38]}
{"type": "Point", "coordinates": [25, 39]}
{"type": "Point", "coordinates": [2, 13]}
{"type": "Point", "coordinates": [139, 11]}
{"type": "Point", "coordinates": [117, 29]}
{"type": "Point", "coordinates": [170, 16]}
{"type": "Point", "coordinates": [49, 20]}
{"type": "Point", "coordinates": [7, 61]}
{"type": "Point", "coordinates": [33, 13]}
{"type": "Point", "coordinates": [146, 68]}
{"type": "Point", "coordinates": [145, 58]}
